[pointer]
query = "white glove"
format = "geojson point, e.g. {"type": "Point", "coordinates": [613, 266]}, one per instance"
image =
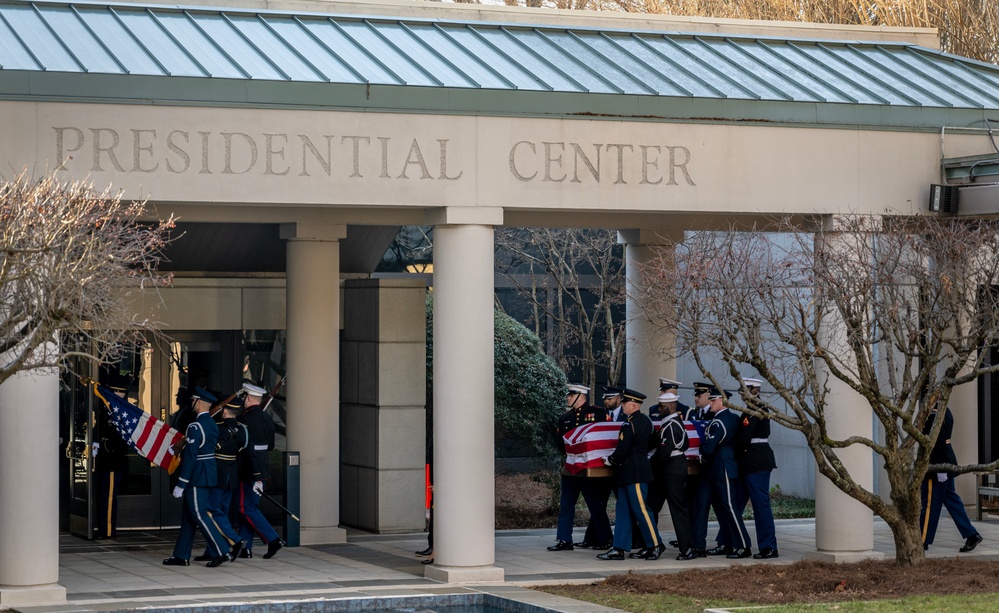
{"type": "Point", "coordinates": [607, 461]}
{"type": "Point", "coordinates": [97, 447]}
{"type": "Point", "coordinates": [941, 477]}
{"type": "Point", "coordinates": [258, 488]}
{"type": "Point", "coordinates": [178, 492]}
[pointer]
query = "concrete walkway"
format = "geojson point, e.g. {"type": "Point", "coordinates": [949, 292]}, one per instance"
{"type": "Point", "coordinates": [127, 573]}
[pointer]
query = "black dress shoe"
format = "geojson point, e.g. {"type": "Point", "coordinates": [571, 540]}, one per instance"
{"type": "Point", "coordinates": [720, 550]}
{"type": "Point", "coordinates": [738, 554]}
{"type": "Point", "coordinates": [427, 561]}
{"type": "Point", "coordinates": [700, 553]}
{"type": "Point", "coordinates": [236, 550]}
{"type": "Point", "coordinates": [273, 547]}
{"type": "Point", "coordinates": [219, 561]}
{"type": "Point", "coordinates": [690, 554]}
{"type": "Point", "coordinates": [613, 554]}
{"type": "Point", "coordinates": [971, 543]}
{"type": "Point", "coordinates": [765, 554]}
{"type": "Point", "coordinates": [925, 546]}
{"type": "Point", "coordinates": [641, 553]}
{"type": "Point", "coordinates": [655, 552]}
{"type": "Point", "coordinates": [560, 546]}
{"type": "Point", "coordinates": [203, 557]}
{"type": "Point", "coordinates": [246, 553]}
{"type": "Point", "coordinates": [174, 561]}
{"type": "Point", "coordinates": [583, 545]}
{"type": "Point", "coordinates": [674, 543]}
{"type": "Point", "coordinates": [429, 551]}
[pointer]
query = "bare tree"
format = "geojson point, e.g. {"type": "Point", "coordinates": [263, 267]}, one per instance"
{"type": "Point", "coordinates": [898, 310]}
{"type": "Point", "coordinates": [574, 280]}
{"type": "Point", "coordinates": [70, 258]}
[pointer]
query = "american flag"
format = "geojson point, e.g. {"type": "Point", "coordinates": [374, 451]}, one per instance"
{"type": "Point", "coordinates": [586, 446]}
{"type": "Point", "coordinates": [149, 437]}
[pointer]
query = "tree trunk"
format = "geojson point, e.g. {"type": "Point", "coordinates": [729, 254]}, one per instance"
{"type": "Point", "coordinates": [908, 537]}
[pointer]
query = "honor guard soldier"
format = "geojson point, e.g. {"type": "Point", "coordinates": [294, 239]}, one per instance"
{"type": "Point", "coordinates": [594, 488]}
{"type": "Point", "coordinates": [111, 470]}
{"type": "Point", "coordinates": [669, 469]}
{"type": "Point", "coordinates": [198, 476]}
{"type": "Point", "coordinates": [612, 403]}
{"type": "Point", "coordinates": [233, 439]}
{"type": "Point", "coordinates": [718, 447]}
{"type": "Point", "coordinates": [632, 474]}
{"type": "Point", "coordinates": [671, 386]}
{"type": "Point", "coordinates": [756, 461]}
{"type": "Point", "coordinates": [254, 472]}
{"type": "Point", "coordinates": [938, 489]}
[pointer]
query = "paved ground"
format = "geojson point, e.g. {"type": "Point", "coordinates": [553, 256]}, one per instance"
{"type": "Point", "coordinates": [127, 573]}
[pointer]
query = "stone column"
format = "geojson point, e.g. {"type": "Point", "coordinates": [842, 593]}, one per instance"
{"type": "Point", "coordinates": [464, 511]}
{"type": "Point", "coordinates": [29, 484]}
{"type": "Point", "coordinates": [649, 350]}
{"type": "Point", "coordinates": [844, 528]}
{"type": "Point", "coordinates": [384, 417]}
{"type": "Point", "coordinates": [313, 355]}
{"type": "Point", "coordinates": [964, 405]}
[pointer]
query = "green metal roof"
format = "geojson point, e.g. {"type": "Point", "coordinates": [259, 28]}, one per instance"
{"type": "Point", "coordinates": [223, 56]}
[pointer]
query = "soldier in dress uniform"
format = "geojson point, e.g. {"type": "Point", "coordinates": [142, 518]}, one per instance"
{"type": "Point", "coordinates": [698, 489]}
{"type": "Point", "coordinates": [110, 471]}
{"type": "Point", "coordinates": [580, 413]}
{"type": "Point", "coordinates": [233, 440]}
{"type": "Point", "coordinates": [718, 449]}
{"type": "Point", "coordinates": [254, 471]}
{"type": "Point", "coordinates": [938, 489]}
{"type": "Point", "coordinates": [756, 461]}
{"type": "Point", "coordinates": [632, 474]}
{"type": "Point", "coordinates": [612, 403]}
{"type": "Point", "coordinates": [669, 470]}
{"type": "Point", "coordinates": [198, 476]}
{"type": "Point", "coordinates": [673, 387]}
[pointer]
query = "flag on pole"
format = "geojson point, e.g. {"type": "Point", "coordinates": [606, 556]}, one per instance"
{"type": "Point", "coordinates": [149, 437]}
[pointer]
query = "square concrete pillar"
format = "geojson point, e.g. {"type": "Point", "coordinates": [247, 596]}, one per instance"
{"type": "Point", "coordinates": [383, 413]}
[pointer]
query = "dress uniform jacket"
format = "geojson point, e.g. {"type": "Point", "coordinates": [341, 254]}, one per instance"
{"type": "Point", "coordinates": [942, 452]}
{"type": "Point", "coordinates": [669, 458]}
{"type": "Point", "coordinates": [631, 457]}
{"type": "Point", "coordinates": [573, 418]}
{"type": "Point", "coordinates": [233, 438]}
{"type": "Point", "coordinates": [254, 464]}
{"type": "Point", "coordinates": [718, 445]}
{"type": "Point", "coordinates": [754, 453]}
{"type": "Point", "coordinates": [197, 466]}
{"type": "Point", "coordinates": [112, 455]}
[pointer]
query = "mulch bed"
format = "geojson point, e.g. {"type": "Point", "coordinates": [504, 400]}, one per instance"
{"type": "Point", "coordinates": [807, 581]}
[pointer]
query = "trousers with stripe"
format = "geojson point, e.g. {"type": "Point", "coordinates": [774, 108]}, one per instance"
{"type": "Point", "coordinates": [252, 521]}
{"type": "Point", "coordinates": [197, 515]}
{"type": "Point", "coordinates": [728, 503]}
{"type": "Point", "coordinates": [631, 505]}
{"type": "Point", "coordinates": [106, 485]}
{"type": "Point", "coordinates": [936, 495]}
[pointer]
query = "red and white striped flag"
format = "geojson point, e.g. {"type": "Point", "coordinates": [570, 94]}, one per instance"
{"type": "Point", "coordinates": [149, 437]}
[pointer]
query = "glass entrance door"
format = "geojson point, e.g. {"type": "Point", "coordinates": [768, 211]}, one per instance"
{"type": "Point", "coordinates": [158, 375]}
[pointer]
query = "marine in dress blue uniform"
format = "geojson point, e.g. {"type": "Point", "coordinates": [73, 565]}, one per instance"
{"type": "Point", "coordinates": [938, 489]}
{"type": "Point", "coordinates": [254, 471]}
{"type": "Point", "coordinates": [718, 448]}
{"type": "Point", "coordinates": [198, 476]}
{"type": "Point", "coordinates": [632, 474]}
{"type": "Point", "coordinates": [572, 485]}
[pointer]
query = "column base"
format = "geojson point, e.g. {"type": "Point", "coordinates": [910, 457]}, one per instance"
{"type": "Point", "coordinates": [844, 556]}
{"type": "Point", "coordinates": [464, 574]}
{"type": "Point", "coordinates": [322, 536]}
{"type": "Point", "coordinates": [52, 593]}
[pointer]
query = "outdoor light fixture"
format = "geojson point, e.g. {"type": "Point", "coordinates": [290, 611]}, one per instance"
{"type": "Point", "coordinates": [943, 199]}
